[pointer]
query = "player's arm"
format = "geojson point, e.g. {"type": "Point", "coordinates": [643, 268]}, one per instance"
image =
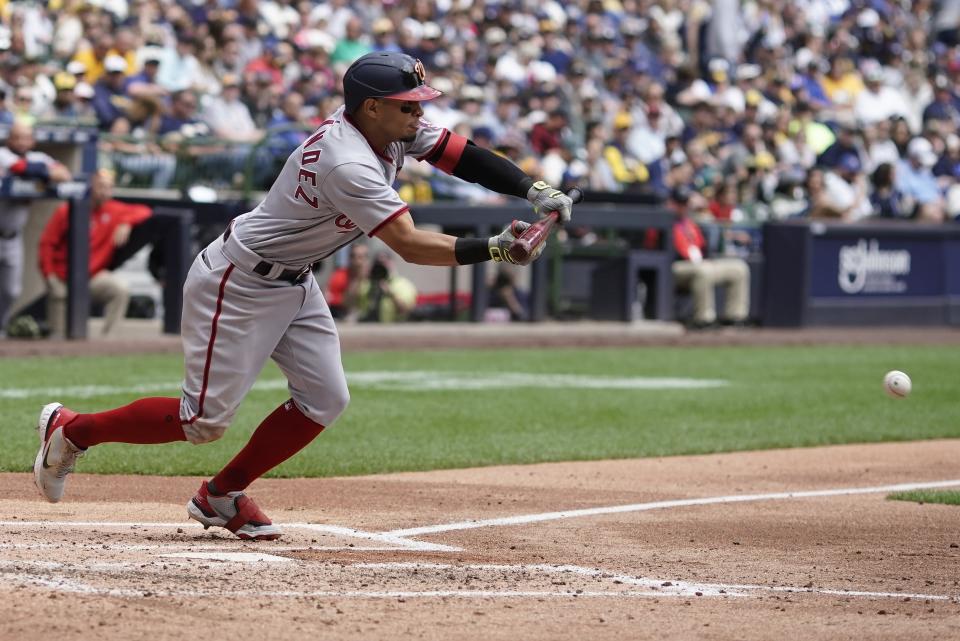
{"type": "Point", "coordinates": [424, 247]}
{"type": "Point", "coordinates": [377, 209]}
{"type": "Point", "coordinates": [460, 157]}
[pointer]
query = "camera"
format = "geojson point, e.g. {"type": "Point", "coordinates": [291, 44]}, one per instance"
{"type": "Point", "coordinates": [378, 272]}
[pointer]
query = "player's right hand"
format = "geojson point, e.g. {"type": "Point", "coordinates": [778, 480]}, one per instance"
{"type": "Point", "coordinates": [500, 244]}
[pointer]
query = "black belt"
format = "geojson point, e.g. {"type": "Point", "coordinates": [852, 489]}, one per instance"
{"type": "Point", "coordinates": [263, 268]}
{"type": "Point", "coordinates": [8, 235]}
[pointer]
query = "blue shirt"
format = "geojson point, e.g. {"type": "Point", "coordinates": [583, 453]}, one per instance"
{"type": "Point", "coordinates": [919, 184]}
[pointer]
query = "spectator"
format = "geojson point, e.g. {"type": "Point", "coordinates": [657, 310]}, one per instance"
{"type": "Point", "coordinates": [66, 105]}
{"type": "Point", "coordinates": [362, 291]}
{"type": "Point", "coordinates": [548, 134]}
{"type": "Point", "coordinates": [110, 225]}
{"type": "Point", "coordinates": [228, 117]}
{"type": "Point", "coordinates": [947, 169]}
{"type": "Point", "coordinates": [505, 297]}
{"type": "Point", "coordinates": [630, 173]}
{"type": "Point", "coordinates": [182, 123]}
{"type": "Point", "coordinates": [343, 288]}
{"type": "Point", "coordinates": [93, 57]}
{"type": "Point", "coordinates": [110, 98]}
{"type": "Point", "coordinates": [877, 102]}
{"type": "Point", "coordinates": [845, 190]}
{"type": "Point", "coordinates": [845, 145]}
{"type": "Point", "coordinates": [900, 135]}
{"type": "Point", "coordinates": [145, 83]}
{"type": "Point", "coordinates": [885, 199]}
{"type": "Point", "coordinates": [352, 45]}
{"type": "Point", "coordinates": [723, 204]}
{"type": "Point", "coordinates": [383, 35]}
{"type": "Point", "coordinates": [694, 270]}
{"type": "Point", "coordinates": [842, 84]}
{"type": "Point", "coordinates": [23, 105]}
{"type": "Point", "coordinates": [179, 68]}
{"type": "Point", "coordinates": [389, 297]}
{"type": "Point", "coordinates": [137, 153]}
{"type": "Point", "coordinates": [915, 180]}
{"type": "Point", "coordinates": [944, 104]}
{"type": "Point", "coordinates": [878, 148]}
{"type": "Point", "coordinates": [19, 159]}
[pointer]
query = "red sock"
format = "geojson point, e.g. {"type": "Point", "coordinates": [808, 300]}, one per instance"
{"type": "Point", "coordinates": [281, 435]}
{"type": "Point", "coordinates": [148, 420]}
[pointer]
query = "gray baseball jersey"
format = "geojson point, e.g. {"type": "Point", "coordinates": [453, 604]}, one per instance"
{"type": "Point", "coordinates": [333, 189]}
{"type": "Point", "coordinates": [237, 308]}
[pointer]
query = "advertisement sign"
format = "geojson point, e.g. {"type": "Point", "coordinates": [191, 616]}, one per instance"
{"type": "Point", "coordinates": [869, 267]}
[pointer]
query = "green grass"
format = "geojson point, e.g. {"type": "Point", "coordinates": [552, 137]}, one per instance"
{"type": "Point", "coordinates": [776, 397]}
{"type": "Point", "coordinates": [946, 497]}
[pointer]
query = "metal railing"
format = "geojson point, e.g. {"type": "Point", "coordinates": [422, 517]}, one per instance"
{"type": "Point", "coordinates": [174, 163]}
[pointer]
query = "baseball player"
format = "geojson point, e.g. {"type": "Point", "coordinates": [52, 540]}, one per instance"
{"type": "Point", "coordinates": [19, 159]}
{"type": "Point", "coordinates": [251, 295]}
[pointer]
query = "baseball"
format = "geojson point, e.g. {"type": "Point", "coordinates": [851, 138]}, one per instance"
{"type": "Point", "coordinates": [896, 384]}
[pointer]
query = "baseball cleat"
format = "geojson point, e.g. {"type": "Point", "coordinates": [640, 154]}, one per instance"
{"type": "Point", "coordinates": [57, 455]}
{"type": "Point", "coordinates": [234, 511]}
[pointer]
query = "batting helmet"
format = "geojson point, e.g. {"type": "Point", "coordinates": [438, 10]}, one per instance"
{"type": "Point", "coordinates": [385, 74]}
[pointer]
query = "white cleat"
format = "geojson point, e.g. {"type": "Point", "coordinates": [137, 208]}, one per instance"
{"type": "Point", "coordinates": [57, 455]}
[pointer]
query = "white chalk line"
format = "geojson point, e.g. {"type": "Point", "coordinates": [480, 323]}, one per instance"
{"type": "Point", "coordinates": [228, 546]}
{"type": "Point", "coordinates": [399, 537]}
{"type": "Point", "coordinates": [337, 530]}
{"type": "Point", "coordinates": [524, 519]}
{"type": "Point", "coordinates": [413, 381]}
{"type": "Point", "coordinates": [637, 586]}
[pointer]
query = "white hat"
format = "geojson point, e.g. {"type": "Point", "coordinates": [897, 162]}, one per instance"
{"type": "Point", "coordinates": [471, 92]}
{"type": "Point", "coordinates": [748, 71]}
{"type": "Point", "coordinates": [922, 150]}
{"type": "Point", "coordinates": [718, 67]}
{"type": "Point", "coordinates": [495, 35]}
{"type": "Point", "coordinates": [431, 31]}
{"type": "Point", "coordinates": [114, 63]}
{"type": "Point", "coordinates": [83, 90]}
{"type": "Point", "coordinates": [76, 67]}
{"type": "Point", "coordinates": [442, 84]}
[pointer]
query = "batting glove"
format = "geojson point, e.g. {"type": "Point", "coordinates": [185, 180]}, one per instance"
{"type": "Point", "coordinates": [546, 199]}
{"type": "Point", "coordinates": [500, 244]}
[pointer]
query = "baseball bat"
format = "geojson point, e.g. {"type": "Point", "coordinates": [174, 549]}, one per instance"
{"type": "Point", "coordinates": [522, 247]}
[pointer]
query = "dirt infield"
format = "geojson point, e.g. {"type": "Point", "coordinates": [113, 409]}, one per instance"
{"type": "Point", "coordinates": [760, 545]}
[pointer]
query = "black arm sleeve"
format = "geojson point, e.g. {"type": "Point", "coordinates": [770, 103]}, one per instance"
{"type": "Point", "coordinates": [482, 166]}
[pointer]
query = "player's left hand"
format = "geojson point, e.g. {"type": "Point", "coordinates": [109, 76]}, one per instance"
{"type": "Point", "coordinates": [546, 199]}
{"type": "Point", "coordinates": [500, 244]}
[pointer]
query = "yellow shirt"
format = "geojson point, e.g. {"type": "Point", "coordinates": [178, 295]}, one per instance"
{"type": "Point", "coordinates": [843, 90]}
{"type": "Point", "coordinates": [94, 65]}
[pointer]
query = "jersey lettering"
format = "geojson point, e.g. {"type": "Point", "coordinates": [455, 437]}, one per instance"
{"type": "Point", "coordinates": [306, 173]}
{"type": "Point", "coordinates": [345, 224]}
{"type": "Point", "coordinates": [313, 201]}
{"type": "Point", "coordinates": [310, 157]}
{"type": "Point", "coordinates": [320, 134]}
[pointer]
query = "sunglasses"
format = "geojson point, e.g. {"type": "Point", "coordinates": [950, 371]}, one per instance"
{"type": "Point", "coordinates": [405, 107]}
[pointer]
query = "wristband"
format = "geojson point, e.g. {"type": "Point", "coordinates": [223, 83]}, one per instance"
{"type": "Point", "coordinates": [469, 251]}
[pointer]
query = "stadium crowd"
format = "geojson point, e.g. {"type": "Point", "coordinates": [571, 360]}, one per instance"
{"type": "Point", "coordinates": [767, 109]}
